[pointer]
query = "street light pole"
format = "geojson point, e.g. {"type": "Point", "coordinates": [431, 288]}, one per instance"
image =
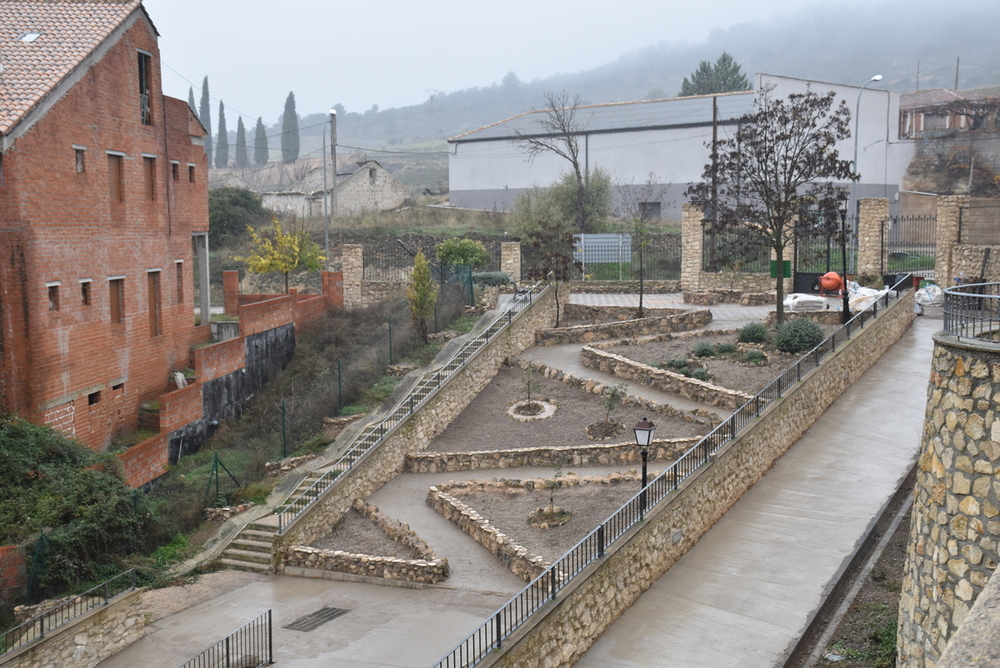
{"type": "Point", "coordinates": [845, 310]}
{"type": "Point", "coordinates": [643, 438]}
{"type": "Point", "coordinates": [857, 125]}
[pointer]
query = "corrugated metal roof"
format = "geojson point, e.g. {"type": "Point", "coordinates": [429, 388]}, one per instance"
{"type": "Point", "coordinates": [623, 116]}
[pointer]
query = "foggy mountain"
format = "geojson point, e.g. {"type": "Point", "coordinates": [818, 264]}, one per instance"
{"type": "Point", "coordinates": [833, 44]}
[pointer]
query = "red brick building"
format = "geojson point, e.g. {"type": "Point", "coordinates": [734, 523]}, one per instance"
{"type": "Point", "coordinates": [103, 187]}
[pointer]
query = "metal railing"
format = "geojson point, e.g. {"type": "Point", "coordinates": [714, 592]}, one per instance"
{"type": "Point", "coordinates": [37, 627]}
{"type": "Point", "coordinates": [973, 311]}
{"type": "Point", "coordinates": [249, 646]}
{"type": "Point", "coordinates": [516, 611]}
{"type": "Point", "coordinates": [370, 437]}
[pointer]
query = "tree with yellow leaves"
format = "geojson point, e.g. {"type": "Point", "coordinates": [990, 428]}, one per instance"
{"type": "Point", "coordinates": [286, 252]}
{"type": "Point", "coordinates": [421, 293]}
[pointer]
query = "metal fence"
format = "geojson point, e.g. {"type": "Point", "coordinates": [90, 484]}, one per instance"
{"type": "Point", "coordinates": [973, 311]}
{"type": "Point", "coordinates": [394, 261]}
{"type": "Point", "coordinates": [249, 646]}
{"type": "Point", "coordinates": [545, 587]}
{"type": "Point", "coordinates": [910, 243]}
{"type": "Point", "coordinates": [37, 627]}
{"type": "Point", "coordinates": [730, 250]}
{"type": "Point", "coordinates": [372, 435]}
{"type": "Point", "coordinates": [623, 261]}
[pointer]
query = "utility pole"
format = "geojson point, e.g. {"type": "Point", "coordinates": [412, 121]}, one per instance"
{"type": "Point", "coordinates": [715, 185]}
{"type": "Point", "coordinates": [918, 76]}
{"type": "Point", "coordinates": [957, 59]}
{"type": "Point", "coordinates": [432, 92]}
{"type": "Point", "coordinates": [333, 153]}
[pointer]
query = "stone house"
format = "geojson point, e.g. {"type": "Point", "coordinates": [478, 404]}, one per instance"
{"type": "Point", "coordinates": [367, 189]}
{"type": "Point", "coordinates": [102, 190]}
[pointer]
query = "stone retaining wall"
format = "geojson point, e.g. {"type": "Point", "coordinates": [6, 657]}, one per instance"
{"type": "Point", "coordinates": [976, 642]}
{"type": "Point", "coordinates": [680, 322]}
{"type": "Point", "coordinates": [722, 296]}
{"type": "Point", "coordinates": [563, 629]}
{"type": "Point", "coordinates": [624, 287]}
{"type": "Point", "coordinates": [599, 315]}
{"type": "Point", "coordinates": [87, 640]}
{"type": "Point", "coordinates": [819, 317]}
{"type": "Point", "coordinates": [584, 455]}
{"type": "Point", "coordinates": [383, 464]}
{"type": "Point", "coordinates": [661, 379]}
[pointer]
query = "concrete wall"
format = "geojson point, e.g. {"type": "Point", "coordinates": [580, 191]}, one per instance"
{"type": "Point", "coordinates": [383, 464]}
{"type": "Point", "coordinates": [559, 633]}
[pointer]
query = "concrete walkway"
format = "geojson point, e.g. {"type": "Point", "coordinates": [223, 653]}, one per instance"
{"type": "Point", "coordinates": [742, 596]}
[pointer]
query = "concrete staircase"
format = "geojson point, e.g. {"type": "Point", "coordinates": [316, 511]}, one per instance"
{"type": "Point", "coordinates": [253, 549]}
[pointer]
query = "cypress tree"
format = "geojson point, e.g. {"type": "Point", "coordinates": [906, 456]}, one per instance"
{"type": "Point", "coordinates": [194, 109]}
{"type": "Point", "coordinates": [205, 116]}
{"type": "Point", "coordinates": [241, 145]}
{"type": "Point", "coordinates": [222, 144]}
{"type": "Point", "coordinates": [290, 131]}
{"type": "Point", "coordinates": [260, 148]}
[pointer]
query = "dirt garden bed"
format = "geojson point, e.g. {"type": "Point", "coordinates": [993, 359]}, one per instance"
{"type": "Point", "coordinates": [485, 424]}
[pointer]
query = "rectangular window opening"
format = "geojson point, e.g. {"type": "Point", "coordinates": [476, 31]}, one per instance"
{"type": "Point", "coordinates": [175, 168]}
{"type": "Point", "coordinates": [149, 177]}
{"type": "Point", "coordinates": [117, 294]}
{"type": "Point", "coordinates": [81, 165]}
{"type": "Point", "coordinates": [116, 186]}
{"type": "Point", "coordinates": [179, 268]}
{"type": "Point", "coordinates": [85, 293]}
{"type": "Point", "coordinates": [191, 173]}
{"type": "Point", "coordinates": [94, 398]}
{"type": "Point", "coordinates": [118, 387]}
{"type": "Point", "coordinates": [153, 283]}
{"type": "Point", "coordinates": [144, 73]}
{"type": "Point", "coordinates": [53, 297]}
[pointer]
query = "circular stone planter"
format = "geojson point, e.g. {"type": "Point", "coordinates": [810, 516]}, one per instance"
{"type": "Point", "coordinates": [548, 409]}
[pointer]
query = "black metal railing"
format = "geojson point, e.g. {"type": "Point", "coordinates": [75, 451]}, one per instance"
{"type": "Point", "coordinates": [973, 311]}
{"type": "Point", "coordinates": [370, 437]}
{"type": "Point", "coordinates": [249, 646]}
{"type": "Point", "coordinates": [37, 627]}
{"type": "Point", "coordinates": [491, 634]}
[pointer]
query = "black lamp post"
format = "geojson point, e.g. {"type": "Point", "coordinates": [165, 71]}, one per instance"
{"type": "Point", "coordinates": [643, 437]}
{"type": "Point", "coordinates": [842, 203]}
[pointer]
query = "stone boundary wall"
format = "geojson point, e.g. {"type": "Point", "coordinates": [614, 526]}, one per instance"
{"type": "Point", "coordinates": [699, 415]}
{"type": "Point", "coordinates": [616, 454]}
{"type": "Point", "coordinates": [559, 633]}
{"type": "Point", "coordinates": [680, 322]}
{"type": "Point", "coordinates": [662, 379]}
{"type": "Point", "coordinates": [623, 287]}
{"type": "Point", "coordinates": [87, 640]}
{"type": "Point", "coordinates": [381, 465]}
{"type": "Point", "coordinates": [976, 642]}
{"type": "Point", "coordinates": [819, 317]}
{"type": "Point", "coordinates": [722, 296]}
{"type": "Point", "coordinates": [598, 315]}
{"type": "Point", "coordinates": [955, 527]}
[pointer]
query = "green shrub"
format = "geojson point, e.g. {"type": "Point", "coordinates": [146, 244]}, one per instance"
{"type": "Point", "coordinates": [753, 332]}
{"type": "Point", "coordinates": [491, 278]}
{"type": "Point", "coordinates": [798, 336]}
{"type": "Point", "coordinates": [704, 349]}
{"type": "Point", "coordinates": [698, 374]}
{"type": "Point", "coordinates": [754, 357]}
{"type": "Point", "coordinates": [676, 364]}
{"type": "Point", "coordinates": [725, 349]}
{"type": "Point", "coordinates": [462, 251]}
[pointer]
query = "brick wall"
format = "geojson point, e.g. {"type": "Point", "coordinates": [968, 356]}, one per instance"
{"type": "Point", "coordinates": [11, 572]}
{"type": "Point", "coordinates": [218, 359]}
{"type": "Point", "coordinates": [146, 461]}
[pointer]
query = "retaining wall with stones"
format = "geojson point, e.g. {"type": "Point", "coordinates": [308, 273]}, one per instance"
{"type": "Point", "coordinates": [584, 455]}
{"type": "Point", "coordinates": [955, 525]}
{"type": "Point", "coordinates": [382, 464]}
{"type": "Point", "coordinates": [87, 640]}
{"type": "Point", "coordinates": [679, 322]}
{"type": "Point", "coordinates": [624, 287]}
{"type": "Point", "coordinates": [661, 379]}
{"type": "Point", "coordinates": [559, 633]}
{"type": "Point", "coordinates": [597, 315]}
{"type": "Point", "coordinates": [722, 296]}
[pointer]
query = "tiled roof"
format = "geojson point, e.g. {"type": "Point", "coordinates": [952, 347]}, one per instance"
{"type": "Point", "coordinates": [620, 116]}
{"type": "Point", "coordinates": [935, 96]}
{"type": "Point", "coordinates": [69, 31]}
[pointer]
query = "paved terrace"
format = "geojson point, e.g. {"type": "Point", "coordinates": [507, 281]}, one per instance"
{"type": "Point", "coordinates": [751, 581]}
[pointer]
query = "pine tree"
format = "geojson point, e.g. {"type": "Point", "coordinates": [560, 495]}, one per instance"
{"type": "Point", "coordinates": [222, 144]}
{"type": "Point", "coordinates": [290, 131]}
{"type": "Point", "coordinates": [205, 116]}
{"type": "Point", "coordinates": [722, 77]}
{"type": "Point", "coordinates": [261, 152]}
{"type": "Point", "coordinates": [242, 162]}
{"type": "Point", "coordinates": [194, 109]}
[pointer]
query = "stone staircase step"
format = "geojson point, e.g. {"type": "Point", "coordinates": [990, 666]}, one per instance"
{"type": "Point", "coordinates": [249, 545]}
{"type": "Point", "coordinates": [247, 555]}
{"type": "Point", "coordinates": [243, 565]}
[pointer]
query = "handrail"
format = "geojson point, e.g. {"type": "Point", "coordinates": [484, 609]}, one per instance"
{"type": "Point", "coordinates": [491, 634]}
{"type": "Point", "coordinates": [973, 311]}
{"type": "Point", "coordinates": [250, 646]}
{"type": "Point", "coordinates": [36, 627]}
{"type": "Point", "coordinates": [370, 437]}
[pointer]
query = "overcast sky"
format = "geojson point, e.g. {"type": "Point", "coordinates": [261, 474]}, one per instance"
{"type": "Point", "coordinates": [391, 52]}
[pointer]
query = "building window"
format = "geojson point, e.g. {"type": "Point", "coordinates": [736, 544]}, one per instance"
{"type": "Point", "coordinates": [153, 284]}
{"type": "Point", "coordinates": [149, 177]}
{"type": "Point", "coordinates": [94, 398]}
{"type": "Point", "coordinates": [191, 173]}
{"type": "Point", "coordinates": [117, 294]}
{"type": "Point", "coordinates": [649, 210]}
{"type": "Point", "coordinates": [53, 289]}
{"type": "Point", "coordinates": [85, 293]}
{"type": "Point", "coordinates": [179, 268]}
{"type": "Point", "coordinates": [371, 175]}
{"type": "Point", "coordinates": [144, 72]}
{"type": "Point", "coordinates": [116, 185]}
{"type": "Point", "coordinates": [175, 168]}
{"type": "Point", "coordinates": [81, 152]}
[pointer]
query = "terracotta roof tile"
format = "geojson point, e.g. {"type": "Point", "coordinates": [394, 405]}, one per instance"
{"type": "Point", "coordinates": [70, 30]}
{"type": "Point", "coordinates": [935, 96]}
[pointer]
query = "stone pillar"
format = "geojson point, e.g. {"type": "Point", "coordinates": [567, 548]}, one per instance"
{"type": "Point", "coordinates": [872, 219]}
{"type": "Point", "coordinates": [692, 246]}
{"type": "Point", "coordinates": [947, 232]}
{"type": "Point", "coordinates": [231, 292]}
{"type": "Point", "coordinates": [352, 264]}
{"type": "Point", "coordinates": [510, 259]}
{"type": "Point", "coordinates": [955, 525]}
{"type": "Point", "coordinates": [333, 288]}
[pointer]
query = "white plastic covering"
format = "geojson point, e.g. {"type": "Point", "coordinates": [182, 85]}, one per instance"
{"type": "Point", "coordinates": [930, 295]}
{"type": "Point", "coordinates": [798, 301]}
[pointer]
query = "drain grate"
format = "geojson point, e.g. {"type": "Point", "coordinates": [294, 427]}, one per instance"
{"type": "Point", "coordinates": [315, 620]}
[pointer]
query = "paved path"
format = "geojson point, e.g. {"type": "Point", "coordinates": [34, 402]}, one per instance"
{"type": "Point", "coordinates": [742, 595]}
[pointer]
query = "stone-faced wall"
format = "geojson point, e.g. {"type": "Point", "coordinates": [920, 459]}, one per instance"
{"type": "Point", "coordinates": [955, 527]}
{"type": "Point", "coordinates": [873, 212]}
{"type": "Point", "coordinates": [624, 287]}
{"type": "Point", "coordinates": [383, 464]}
{"type": "Point", "coordinates": [357, 292]}
{"type": "Point", "coordinates": [510, 259]}
{"type": "Point", "coordinates": [681, 322]}
{"type": "Point", "coordinates": [563, 629]}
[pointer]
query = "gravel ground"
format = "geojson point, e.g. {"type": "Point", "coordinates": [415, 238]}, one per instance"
{"type": "Point", "coordinates": [485, 425]}
{"type": "Point", "coordinates": [357, 535]}
{"type": "Point", "coordinates": [590, 505]}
